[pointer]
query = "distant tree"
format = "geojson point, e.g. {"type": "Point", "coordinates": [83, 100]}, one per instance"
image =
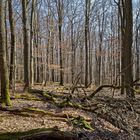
{"type": "Point", "coordinates": [60, 20]}
{"type": "Point", "coordinates": [87, 8]}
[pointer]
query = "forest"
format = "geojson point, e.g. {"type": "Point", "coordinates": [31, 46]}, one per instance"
{"type": "Point", "coordinates": [69, 69]}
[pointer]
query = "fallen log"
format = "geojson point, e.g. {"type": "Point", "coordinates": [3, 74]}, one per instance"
{"type": "Point", "coordinates": [47, 94]}
{"type": "Point", "coordinates": [100, 88]}
{"type": "Point", "coordinates": [26, 112]}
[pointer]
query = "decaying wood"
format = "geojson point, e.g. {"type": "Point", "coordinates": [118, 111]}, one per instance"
{"type": "Point", "coordinates": [107, 108]}
{"type": "Point", "coordinates": [30, 112]}
{"type": "Point", "coordinates": [106, 86]}
{"type": "Point", "coordinates": [100, 88]}
{"type": "Point", "coordinates": [111, 110]}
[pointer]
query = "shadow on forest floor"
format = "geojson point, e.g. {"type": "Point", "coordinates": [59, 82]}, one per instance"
{"type": "Point", "coordinates": [52, 114]}
{"type": "Point", "coordinates": [51, 134]}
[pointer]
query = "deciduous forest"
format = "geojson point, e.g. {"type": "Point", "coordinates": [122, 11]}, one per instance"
{"type": "Point", "coordinates": [69, 69]}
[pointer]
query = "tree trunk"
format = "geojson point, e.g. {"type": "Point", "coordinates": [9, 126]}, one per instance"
{"type": "Point", "coordinates": [5, 97]}
{"type": "Point", "coordinates": [31, 43]}
{"type": "Point", "coordinates": [87, 2]}
{"type": "Point", "coordinates": [73, 53]}
{"type": "Point", "coordinates": [60, 8]}
{"type": "Point", "coordinates": [13, 45]}
{"type": "Point", "coordinates": [137, 43]}
{"type": "Point", "coordinates": [26, 44]}
{"type": "Point", "coordinates": [122, 18]}
{"type": "Point", "coordinates": [6, 33]}
{"type": "Point", "coordinates": [128, 48]}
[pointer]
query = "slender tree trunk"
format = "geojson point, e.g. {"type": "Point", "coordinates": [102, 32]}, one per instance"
{"type": "Point", "coordinates": [60, 8]}
{"type": "Point", "coordinates": [26, 44]}
{"type": "Point", "coordinates": [37, 57]}
{"type": "Point", "coordinates": [87, 2]}
{"type": "Point", "coordinates": [90, 57]}
{"type": "Point", "coordinates": [31, 44]}
{"type": "Point", "coordinates": [13, 45]}
{"type": "Point", "coordinates": [73, 51]}
{"type": "Point", "coordinates": [121, 8]}
{"type": "Point", "coordinates": [137, 42]}
{"type": "Point", "coordinates": [6, 34]}
{"type": "Point", "coordinates": [52, 54]}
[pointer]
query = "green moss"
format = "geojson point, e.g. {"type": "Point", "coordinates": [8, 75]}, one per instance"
{"type": "Point", "coordinates": [35, 110]}
{"type": "Point", "coordinates": [27, 97]}
{"type": "Point", "coordinates": [6, 102]}
{"type": "Point", "coordinates": [49, 97]}
{"type": "Point", "coordinates": [81, 122]}
{"type": "Point", "coordinates": [68, 103]}
{"type": "Point", "coordinates": [65, 104]}
{"type": "Point", "coordinates": [5, 98]}
{"type": "Point", "coordinates": [7, 94]}
{"type": "Point", "coordinates": [24, 114]}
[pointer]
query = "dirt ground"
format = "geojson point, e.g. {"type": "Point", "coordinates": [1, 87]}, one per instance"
{"type": "Point", "coordinates": [101, 129]}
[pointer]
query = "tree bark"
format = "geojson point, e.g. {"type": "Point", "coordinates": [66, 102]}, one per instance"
{"type": "Point", "coordinates": [128, 48]}
{"type": "Point", "coordinates": [13, 45]}
{"type": "Point", "coordinates": [60, 8]}
{"type": "Point", "coordinates": [26, 45]}
{"type": "Point", "coordinates": [5, 96]}
{"type": "Point", "coordinates": [31, 43]}
{"type": "Point", "coordinates": [87, 3]}
{"type": "Point", "coordinates": [121, 9]}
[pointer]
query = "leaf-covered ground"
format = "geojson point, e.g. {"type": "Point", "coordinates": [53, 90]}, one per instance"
{"type": "Point", "coordinates": [107, 116]}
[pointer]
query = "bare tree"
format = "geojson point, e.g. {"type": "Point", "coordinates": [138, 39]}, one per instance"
{"type": "Point", "coordinates": [128, 37]}
{"type": "Point", "coordinates": [3, 63]}
{"type": "Point", "coordinates": [87, 8]}
{"type": "Point", "coordinates": [26, 44]}
{"type": "Point", "coordinates": [60, 21]}
{"type": "Point", "coordinates": [13, 44]}
{"type": "Point", "coordinates": [32, 18]}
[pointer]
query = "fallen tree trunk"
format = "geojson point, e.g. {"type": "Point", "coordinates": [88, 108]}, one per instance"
{"type": "Point", "coordinates": [26, 112]}
{"type": "Point", "coordinates": [100, 88]}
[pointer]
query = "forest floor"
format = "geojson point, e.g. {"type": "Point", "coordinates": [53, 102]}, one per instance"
{"type": "Point", "coordinates": [107, 116]}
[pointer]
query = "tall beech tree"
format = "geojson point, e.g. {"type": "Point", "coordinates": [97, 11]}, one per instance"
{"type": "Point", "coordinates": [121, 9]}
{"type": "Point", "coordinates": [26, 44]}
{"type": "Point", "coordinates": [128, 37]}
{"type": "Point", "coordinates": [3, 63]}
{"type": "Point", "coordinates": [87, 7]}
{"type": "Point", "coordinates": [60, 9]}
{"type": "Point", "coordinates": [126, 18]}
{"type": "Point", "coordinates": [31, 41]}
{"type": "Point", "coordinates": [13, 44]}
